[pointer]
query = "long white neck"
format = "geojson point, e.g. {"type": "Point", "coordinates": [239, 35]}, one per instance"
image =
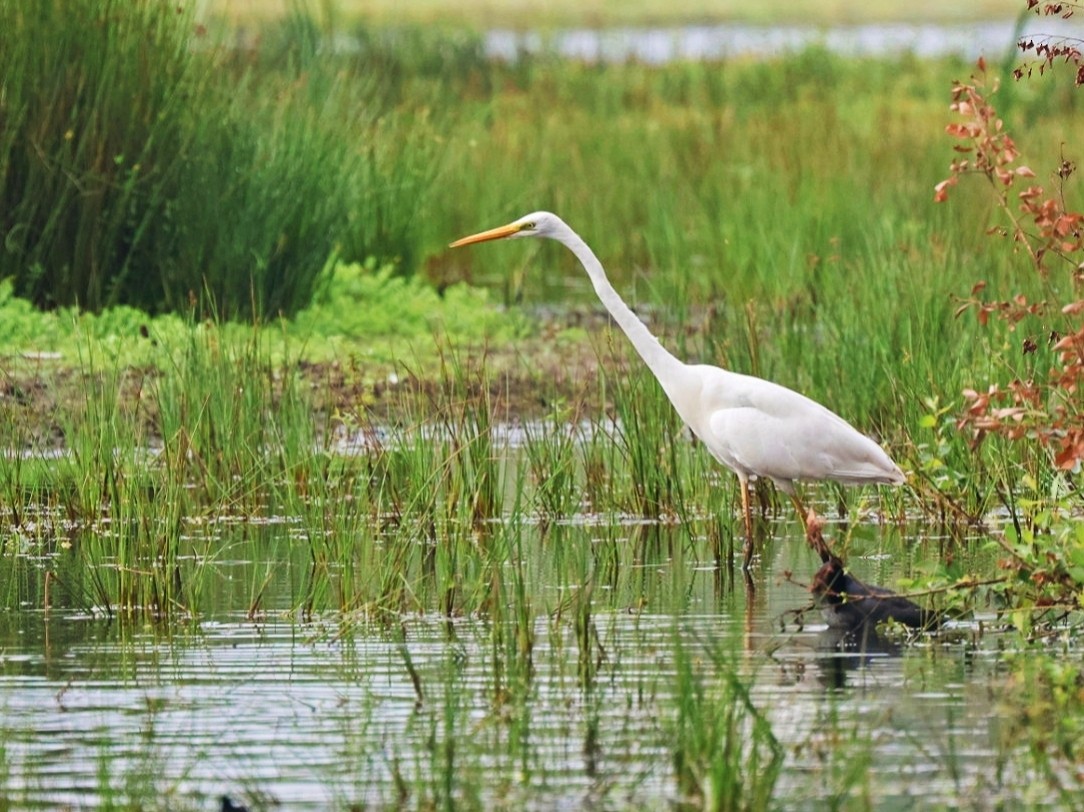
{"type": "Point", "coordinates": [668, 369]}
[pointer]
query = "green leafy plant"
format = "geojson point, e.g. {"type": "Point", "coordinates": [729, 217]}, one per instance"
{"type": "Point", "coordinates": [725, 754]}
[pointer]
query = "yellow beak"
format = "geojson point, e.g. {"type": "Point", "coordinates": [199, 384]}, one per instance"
{"type": "Point", "coordinates": [492, 234]}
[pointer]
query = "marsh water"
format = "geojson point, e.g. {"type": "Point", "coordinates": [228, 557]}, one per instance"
{"type": "Point", "coordinates": [660, 45]}
{"type": "Point", "coordinates": [270, 707]}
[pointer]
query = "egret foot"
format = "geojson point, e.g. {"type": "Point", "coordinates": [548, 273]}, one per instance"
{"type": "Point", "coordinates": [814, 534]}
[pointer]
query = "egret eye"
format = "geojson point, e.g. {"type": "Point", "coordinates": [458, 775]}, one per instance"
{"type": "Point", "coordinates": [528, 226]}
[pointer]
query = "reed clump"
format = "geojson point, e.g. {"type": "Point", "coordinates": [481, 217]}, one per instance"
{"type": "Point", "coordinates": [144, 162]}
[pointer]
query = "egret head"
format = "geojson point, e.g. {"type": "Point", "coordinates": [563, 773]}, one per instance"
{"type": "Point", "coordinates": [536, 224]}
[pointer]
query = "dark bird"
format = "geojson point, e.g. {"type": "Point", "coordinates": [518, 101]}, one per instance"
{"type": "Point", "coordinates": [227, 804]}
{"type": "Point", "coordinates": [849, 604]}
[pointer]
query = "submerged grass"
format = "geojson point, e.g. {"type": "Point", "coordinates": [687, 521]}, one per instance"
{"type": "Point", "coordinates": [169, 470]}
{"type": "Point", "coordinates": [658, 713]}
{"type": "Point", "coordinates": [504, 620]}
{"type": "Point", "coordinates": [724, 752]}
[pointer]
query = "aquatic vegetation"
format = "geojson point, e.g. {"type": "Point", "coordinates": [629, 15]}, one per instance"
{"type": "Point", "coordinates": [1047, 687]}
{"type": "Point", "coordinates": [724, 752]}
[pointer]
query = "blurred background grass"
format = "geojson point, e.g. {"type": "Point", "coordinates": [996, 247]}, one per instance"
{"type": "Point", "coordinates": [774, 214]}
{"type": "Point", "coordinates": [522, 14]}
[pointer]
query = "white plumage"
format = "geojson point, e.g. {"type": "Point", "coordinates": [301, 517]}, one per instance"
{"type": "Point", "coordinates": [754, 427]}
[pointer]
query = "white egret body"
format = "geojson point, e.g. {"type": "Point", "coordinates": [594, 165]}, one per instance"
{"type": "Point", "coordinates": [754, 427]}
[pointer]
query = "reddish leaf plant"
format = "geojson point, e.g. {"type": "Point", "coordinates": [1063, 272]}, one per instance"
{"type": "Point", "coordinates": [1049, 411]}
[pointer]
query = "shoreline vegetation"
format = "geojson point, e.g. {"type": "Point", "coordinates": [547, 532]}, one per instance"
{"type": "Point", "coordinates": [750, 249]}
{"type": "Point", "coordinates": [775, 218]}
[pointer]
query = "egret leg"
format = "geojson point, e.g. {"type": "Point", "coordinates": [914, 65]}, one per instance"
{"type": "Point", "coordinates": [747, 515]}
{"type": "Point", "coordinates": [798, 506]}
{"type": "Point", "coordinates": [787, 487]}
{"type": "Point", "coordinates": [812, 524]}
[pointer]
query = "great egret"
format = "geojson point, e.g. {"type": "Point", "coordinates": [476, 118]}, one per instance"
{"type": "Point", "coordinates": [754, 427]}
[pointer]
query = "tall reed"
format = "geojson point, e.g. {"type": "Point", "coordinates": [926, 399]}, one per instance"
{"type": "Point", "coordinates": [142, 162]}
{"type": "Point", "coordinates": [724, 752]}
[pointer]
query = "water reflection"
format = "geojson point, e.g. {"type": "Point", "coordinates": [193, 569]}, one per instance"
{"type": "Point", "coordinates": [280, 708]}
{"type": "Point", "coordinates": [729, 41]}
{"type": "Point", "coordinates": [573, 710]}
{"type": "Point", "coordinates": [843, 652]}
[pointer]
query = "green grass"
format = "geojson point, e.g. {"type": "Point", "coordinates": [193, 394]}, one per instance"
{"type": "Point", "coordinates": [652, 713]}
{"type": "Point", "coordinates": [164, 467]}
{"type": "Point", "coordinates": [775, 216]}
{"type": "Point", "coordinates": [144, 163]}
{"type": "Point", "coordinates": [725, 755]}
